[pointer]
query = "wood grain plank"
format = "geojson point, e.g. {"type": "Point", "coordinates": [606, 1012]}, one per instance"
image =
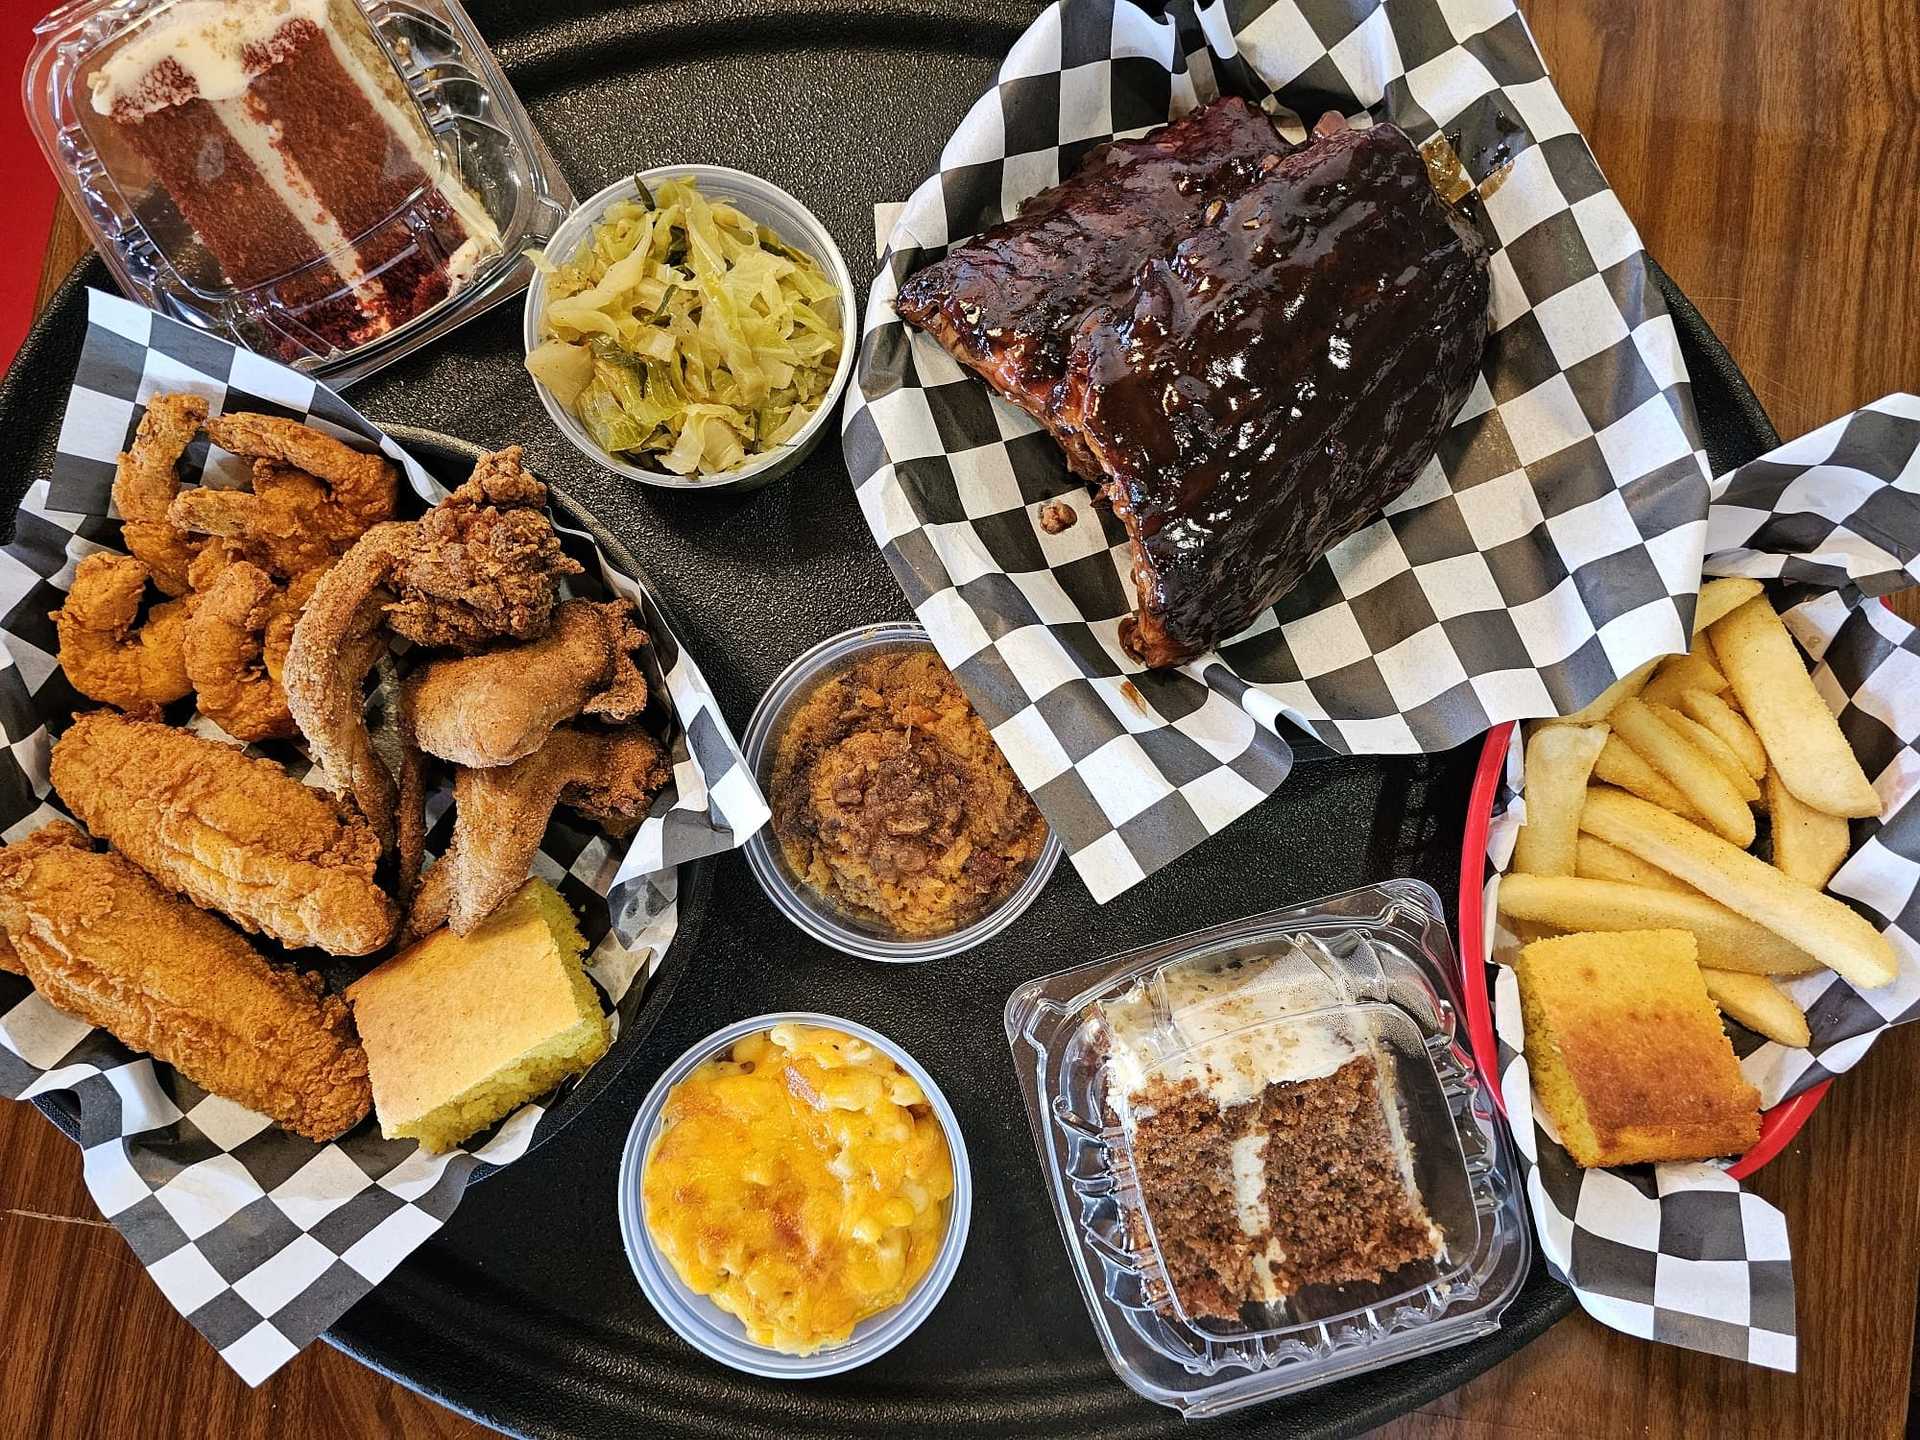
{"type": "Point", "coordinates": [1768, 151]}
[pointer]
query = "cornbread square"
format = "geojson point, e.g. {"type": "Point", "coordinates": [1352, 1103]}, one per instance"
{"type": "Point", "coordinates": [1627, 1052]}
{"type": "Point", "coordinates": [462, 1030]}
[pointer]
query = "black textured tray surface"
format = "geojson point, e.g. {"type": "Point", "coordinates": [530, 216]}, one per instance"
{"type": "Point", "coordinates": [523, 1311]}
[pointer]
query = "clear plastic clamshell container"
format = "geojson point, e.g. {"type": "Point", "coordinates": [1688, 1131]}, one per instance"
{"type": "Point", "coordinates": [1273, 1164]}
{"type": "Point", "coordinates": [332, 183]}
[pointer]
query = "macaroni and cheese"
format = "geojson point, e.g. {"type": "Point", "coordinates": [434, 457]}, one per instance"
{"type": "Point", "coordinates": [800, 1183]}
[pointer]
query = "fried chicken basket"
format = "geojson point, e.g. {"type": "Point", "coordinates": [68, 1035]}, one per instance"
{"type": "Point", "coordinates": [261, 1239]}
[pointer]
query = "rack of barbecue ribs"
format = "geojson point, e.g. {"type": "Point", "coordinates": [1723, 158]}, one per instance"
{"type": "Point", "coordinates": [1249, 348]}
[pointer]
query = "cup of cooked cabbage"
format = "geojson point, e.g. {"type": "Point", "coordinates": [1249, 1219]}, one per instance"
{"type": "Point", "coordinates": [795, 1195]}
{"type": "Point", "coordinates": [691, 327]}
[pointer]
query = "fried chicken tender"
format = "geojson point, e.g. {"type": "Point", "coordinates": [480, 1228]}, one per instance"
{"type": "Point", "coordinates": [230, 832]}
{"type": "Point", "coordinates": [496, 707]}
{"type": "Point", "coordinates": [287, 524]}
{"type": "Point", "coordinates": [101, 941]}
{"type": "Point", "coordinates": [501, 814]}
{"type": "Point", "coordinates": [145, 481]}
{"type": "Point", "coordinates": [363, 485]}
{"type": "Point", "coordinates": [483, 564]}
{"type": "Point", "coordinates": [104, 654]}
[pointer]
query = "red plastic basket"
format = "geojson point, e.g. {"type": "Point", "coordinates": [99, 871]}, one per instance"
{"type": "Point", "coordinates": [1777, 1126]}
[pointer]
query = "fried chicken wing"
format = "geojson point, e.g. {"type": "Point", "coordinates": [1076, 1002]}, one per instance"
{"type": "Point", "coordinates": [362, 484]}
{"type": "Point", "coordinates": [102, 941]}
{"type": "Point", "coordinates": [107, 655]}
{"type": "Point", "coordinates": [496, 707]}
{"type": "Point", "coordinates": [145, 481]}
{"type": "Point", "coordinates": [232, 833]}
{"type": "Point", "coordinates": [482, 565]}
{"type": "Point", "coordinates": [500, 815]}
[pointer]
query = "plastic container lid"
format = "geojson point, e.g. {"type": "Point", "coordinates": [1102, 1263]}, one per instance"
{"type": "Point", "coordinates": [1291, 995]}
{"type": "Point", "coordinates": [707, 1327]}
{"type": "Point", "coordinates": [798, 901]}
{"type": "Point", "coordinates": [759, 200]}
{"type": "Point", "coordinates": [326, 182]}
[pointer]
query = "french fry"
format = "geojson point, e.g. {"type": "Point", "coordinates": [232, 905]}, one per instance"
{"type": "Point", "coordinates": [1713, 712]}
{"type": "Point", "coordinates": [1596, 860]}
{"type": "Point", "coordinates": [1727, 941]}
{"type": "Point", "coordinates": [1691, 772]}
{"type": "Point", "coordinates": [1808, 844]}
{"type": "Point", "coordinates": [1713, 747]}
{"type": "Point", "coordinates": [1559, 760]}
{"type": "Point", "coordinates": [1759, 1004]}
{"type": "Point", "coordinates": [1597, 709]}
{"type": "Point", "coordinates": [1777, 694]}
{"type": "Point", "coordinates": [1620, 764]}
{"type": "Point", "coordinates": [1722, 597]}
{"type": "Point", "coordinates": [1694, 670]}
{"type": "Point", "coordinates": [1816, 923]}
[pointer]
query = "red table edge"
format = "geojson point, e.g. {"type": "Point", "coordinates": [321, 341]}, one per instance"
{"type": "Point", "coordinates": [1777, 1126]}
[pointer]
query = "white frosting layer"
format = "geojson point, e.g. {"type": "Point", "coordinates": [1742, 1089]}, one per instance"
{"type": "Point", "coordinates": [207, 39]}
{"type": "Point", "coordinates": [1219, 1030]}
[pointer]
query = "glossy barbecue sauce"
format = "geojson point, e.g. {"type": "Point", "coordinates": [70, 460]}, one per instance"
{"type": "Point", "coordinates": [1279, 377]}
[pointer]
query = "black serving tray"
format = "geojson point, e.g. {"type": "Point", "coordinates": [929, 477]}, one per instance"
{"type": "Point", "coordinates": [523, 1312]}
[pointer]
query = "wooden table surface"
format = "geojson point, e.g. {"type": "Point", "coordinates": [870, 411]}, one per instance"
{"type": "Point", "coordinates": [1768, 151]}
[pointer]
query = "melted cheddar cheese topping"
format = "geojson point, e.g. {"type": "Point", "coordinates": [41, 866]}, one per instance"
{"type": "Point", "coordinates": [800, 1183]}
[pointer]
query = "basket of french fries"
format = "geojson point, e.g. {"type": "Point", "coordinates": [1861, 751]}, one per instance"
{"type": "Point", "coordinates": [1696, 899]}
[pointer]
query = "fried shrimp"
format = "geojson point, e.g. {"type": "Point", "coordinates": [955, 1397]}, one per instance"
{"type": "Point", "coordinates": [107, 655]}
{"type": "Point", "coordinates": [362, 484]}
{"type": "Point", "coordinates": [145, 481]}
{"type": "Point", "coordinates": [228, 638]}
{"type": "Point", "coordinates": [286, 524]}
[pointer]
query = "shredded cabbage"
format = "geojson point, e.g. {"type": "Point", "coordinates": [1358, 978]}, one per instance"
{"type": "Point", "coordinates": [685, 335]}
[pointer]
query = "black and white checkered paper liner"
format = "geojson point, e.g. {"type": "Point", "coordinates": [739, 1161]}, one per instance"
{"type": "Point", "coordinates": [1553, 544]}
{"type": "Point", "coordinates": [260, 1238]}
{"type": "Point", "coordinates": [1681, 1253]}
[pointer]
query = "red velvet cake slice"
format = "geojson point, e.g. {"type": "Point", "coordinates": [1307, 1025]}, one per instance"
{"type": "Point", "coordinates": [286, 139]}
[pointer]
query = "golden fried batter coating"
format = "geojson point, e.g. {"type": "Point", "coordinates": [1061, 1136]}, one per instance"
{"type": "Point", "coordinates": [100, 940]}
{"type": "Point", "coordinates": [227, 653]}
{"type": "Point", "coordinates": [287, 523]}
{"type": "Point", "coordinates": [104, 654]}
{"type": "Point", "coordinates": [482, 565]}
{"type": "Point", "coordinates": [362, 483]}
{"type": "Point", "coordinates": [234, 834]}
{"type": "Point", "coordinates": [145, 481]}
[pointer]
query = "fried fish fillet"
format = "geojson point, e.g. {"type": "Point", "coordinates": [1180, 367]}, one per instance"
{"type": "Point", "coordinates": [232, 833]}
{"type": "Point", "coordinates": [101, 941]}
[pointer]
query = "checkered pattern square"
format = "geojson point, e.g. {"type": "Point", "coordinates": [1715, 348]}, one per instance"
{"type": "Point", "coordinates": [260, 1238]}
{"type": "Point", "coordinates": [1554, 544]}
{"type": "Point", "coordinates": [1680, 1253]}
